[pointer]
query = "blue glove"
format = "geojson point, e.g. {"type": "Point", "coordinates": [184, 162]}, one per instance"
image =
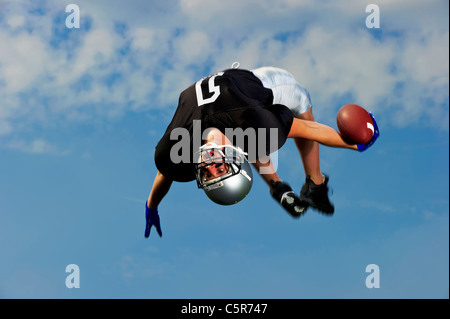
{"type": "Point", "coordinates": [152, 218]}
{"type": "Point", "coordinates": [376, 133]}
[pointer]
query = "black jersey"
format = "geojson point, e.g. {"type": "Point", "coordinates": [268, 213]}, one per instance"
{"type": "Point", "coordinates": [234, 99]}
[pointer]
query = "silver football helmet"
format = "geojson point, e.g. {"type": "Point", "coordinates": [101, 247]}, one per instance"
{"type": "Point", "coordinates": [223, 172]}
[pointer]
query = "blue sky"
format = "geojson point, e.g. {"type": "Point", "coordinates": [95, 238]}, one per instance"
{"type": "Point", "coordinates": [82, 109]}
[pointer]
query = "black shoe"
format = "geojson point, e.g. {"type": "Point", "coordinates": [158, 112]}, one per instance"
{"type": "Point", "coordinates": [317, 195]}
{"type": "Point", "coordinates": [284, 194]}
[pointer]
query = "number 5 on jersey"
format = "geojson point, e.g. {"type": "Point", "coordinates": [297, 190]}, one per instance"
{"type": "Point", "coordinates": [212, 88]}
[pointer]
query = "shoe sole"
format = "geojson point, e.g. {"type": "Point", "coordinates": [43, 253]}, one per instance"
{"type": "Point", "coordinates": [288, 201]}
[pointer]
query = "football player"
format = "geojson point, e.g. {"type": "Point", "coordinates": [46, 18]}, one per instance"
{"type": "Point", "coordinates": [267, 103]}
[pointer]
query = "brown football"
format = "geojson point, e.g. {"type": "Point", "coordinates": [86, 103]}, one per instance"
{"type": "Point", "coordinates": [355, 124]}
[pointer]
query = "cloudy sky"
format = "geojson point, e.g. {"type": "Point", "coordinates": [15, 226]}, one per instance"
{"type": "Point", "coordinates": [81, 110]}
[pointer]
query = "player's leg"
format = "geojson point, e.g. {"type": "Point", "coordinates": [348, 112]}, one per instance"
{"type": "Point", "coordinates": [309, 152]}
{"type": "Point", "coordinates": [280, 190]}
{"type": "Point", "coordinates": [315, 189]}
{"type": "Point", "coordinates": [287, 91]}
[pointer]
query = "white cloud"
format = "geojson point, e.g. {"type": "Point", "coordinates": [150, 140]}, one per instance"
{"type": "Point", "coordinates": [5, 128]}
{"type": "Point", "coordinates": [16, 21]}
{"type": "Point", "coordinates": [334, 66]}
{"type": "Point", "coordinates": [37, 146]}
{"type": "Point", "coordinates": [427, 60]}
{"type": "Point", "coordinates": [143, 38]}
{"type": "Point", "coordinates": [99, 72]}
{"type": "Point", "coordinates": [377, 206]}
{"type": "Point", "coordinates": [143, 267]}
{"type": "Point", "coordinates": [194, 47]}
{"type": "Point", "coordinates": [96, 49]}
{"type": "Point", "coordinates": [23, 59]}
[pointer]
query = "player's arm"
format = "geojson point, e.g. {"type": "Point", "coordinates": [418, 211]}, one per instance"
{"type": "Point", "coordinates": [321, 133]}
{"type": "Point", "coordinates": [161, 186]}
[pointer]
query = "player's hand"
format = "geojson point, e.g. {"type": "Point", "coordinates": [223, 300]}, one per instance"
{"type": "Point", "coordinates": [376, 133]}
{"type": "Point", "coordinates": [151, 218]}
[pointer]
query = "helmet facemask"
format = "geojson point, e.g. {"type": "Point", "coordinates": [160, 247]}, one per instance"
{"type": "Point", "coordinates": [219, 172]}
{"type": "Point", "coordinates": [224, 160]}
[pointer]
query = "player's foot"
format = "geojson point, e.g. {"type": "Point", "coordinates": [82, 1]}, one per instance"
{"type": "Point", "coordinates": [284, 194]}
{"type": "Point", "coordinates": [317, 195]}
